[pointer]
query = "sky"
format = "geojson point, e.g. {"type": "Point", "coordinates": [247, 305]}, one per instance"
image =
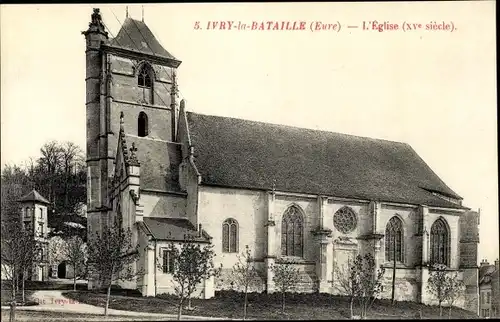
{"type": "Point", "coordinates": [435, 90]}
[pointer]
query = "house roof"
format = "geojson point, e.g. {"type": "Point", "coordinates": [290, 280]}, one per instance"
{"type": "Point", "coordinates": [159, 161]}
{"type": "Point", "coordinates": [173, 229]}
{"type": "Point", "coordinates": [135, 35]}
{"type": "Point", "coordinates": [485, 273]}
{"type": "Point", "coordinates": [33, 195]}
{"type": "Point", "coordinates": [248, 154]}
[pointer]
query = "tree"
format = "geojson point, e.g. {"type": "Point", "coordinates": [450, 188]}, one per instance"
{"type": "Point", "coordinates": [454, 290]}
{"type": "Point", "coordinates": [444, 286]}
{"type": "Point", "coordinates": [345, 283]}
{"type": "Point", "coordinates": [110, 257]}
{"type": "Point", "coordinates": [75, 253]}
{"type": "Point", "coordinates": [436, 284]}
{"type": "Point", "coordinates": [18, 251]}
{"type": "Point", "coordinates": [244, 275]}
{"type": "Point", "coordinates": [192, 265]}
{"type": "Point", "coordinates": [368, 280]}
{"type": "Point", "coordinates": [285, 278]}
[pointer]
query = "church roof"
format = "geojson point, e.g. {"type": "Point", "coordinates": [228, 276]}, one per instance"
{"type": "Point", "coordinates": [247, 154]}
{"type": "Point", "coordinates": [135, 35]}
{"type": "Point", "coordinates": [159, 161]}
{"type": "Point", "coordinates": [173, 229]}
{"type": "Point", "coordinates": [34, 196]}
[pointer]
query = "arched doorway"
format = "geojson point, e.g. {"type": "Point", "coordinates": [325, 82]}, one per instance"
{"type": "Point", "coordinates": [61, 270]}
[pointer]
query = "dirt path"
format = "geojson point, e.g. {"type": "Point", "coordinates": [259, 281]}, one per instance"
{"type": "Point", "coordinates": [54, 301]}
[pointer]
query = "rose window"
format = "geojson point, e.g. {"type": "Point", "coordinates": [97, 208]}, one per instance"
{"type": "Point", "coordinates": [345, 220]}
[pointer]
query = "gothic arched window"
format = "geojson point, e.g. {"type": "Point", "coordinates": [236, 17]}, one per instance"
{"type": "Point", "coordinates": [145, 78]}
{"type": "Point", "coordinates": [292, 232]}
{"type": "Point", "coordinates": [394, 240]}
{"type": "Point", "coordinates": [230, 236]}
{"type": "Point", "coordinates": [142, 124]}
{"type": "Point", "coordinates": [440, 242]}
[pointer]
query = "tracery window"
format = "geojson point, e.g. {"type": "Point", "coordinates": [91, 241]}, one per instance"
{"type": "Point", "coordinates": [144, 78]}
{"type": "Point", "coordinates": [440, 242]}
{"type": "Point", "coordinates": [292, 232]}
{"type": "Point", "coordinates": [394, 240]}
{"type": "Point", "coordinates": [345, 220]}
{"type": "Point", "coordinates": [230, 236]}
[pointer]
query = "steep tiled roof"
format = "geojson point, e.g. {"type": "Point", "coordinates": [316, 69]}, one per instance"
{"type": "Point", "coordinates": [159, 162]}
{"type": "Point", "coordinates": [173, 229]}
{"type": "Point", "coordinates": [34, 196]}
{"type": "Point", "coordinates": [248, 154]}
{"type": "Point", "coordinates": [485, 273]}
{"type": "Point", "coordinates": [136, 35]}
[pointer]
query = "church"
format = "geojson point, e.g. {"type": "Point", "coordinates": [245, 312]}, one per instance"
{"type": "Point", "coordinates": [293, 195]}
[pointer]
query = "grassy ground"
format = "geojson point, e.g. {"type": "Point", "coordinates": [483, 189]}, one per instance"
{"type": "Point", "coordinates": [48, 285]}
{"type": "Point", "coordinates": [266, 306]}
{"type": "Point", "coordinates": [65, 317]}
{"type": "Point", "coordinates": [6, 297]}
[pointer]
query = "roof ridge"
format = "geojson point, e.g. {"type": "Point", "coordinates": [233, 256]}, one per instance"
{"type": "Point", "coordinates": [301, 128]}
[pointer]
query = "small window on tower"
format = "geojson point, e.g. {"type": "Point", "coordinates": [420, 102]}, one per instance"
{"type": "Point", "coordinates": [144, 78]}
{"type": "Point", "coordinates": [142, 126]}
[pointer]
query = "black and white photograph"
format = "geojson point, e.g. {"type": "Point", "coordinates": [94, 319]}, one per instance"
{"type": "Point", "coordinates": [249, 161]}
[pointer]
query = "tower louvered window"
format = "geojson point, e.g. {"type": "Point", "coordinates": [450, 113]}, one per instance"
{"type": "Point", "coordinates": [292, 233]}
{"type": "Point", "coordinates": [144, 78]}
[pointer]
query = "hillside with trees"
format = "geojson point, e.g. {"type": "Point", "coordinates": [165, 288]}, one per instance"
{"type": "Point", "coordinates": [58, 174]}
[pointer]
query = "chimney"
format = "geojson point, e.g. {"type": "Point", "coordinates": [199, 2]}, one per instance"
{"type": "Point", "coordinates": [200, 234]}
{"type": "Point", "coordinates": [496, 264]}
{"type": "Point", "coordinates": [484, 263]}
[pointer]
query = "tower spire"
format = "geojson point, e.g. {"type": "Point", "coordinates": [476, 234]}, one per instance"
{"type": "Point", "coordinates": [142, 13]}
{"type": "Point", "coordinates": [126, 12]}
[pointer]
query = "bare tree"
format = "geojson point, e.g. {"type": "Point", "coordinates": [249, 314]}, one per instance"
{"type": "Point", "coordinates": [445, 286]}
{"type": "Point", "coordinates": [454, 290]}
{"type": "Point", "coordinates": [437, 284]}
{"type": "Point", "coordinates": [285, 278]}
{"type": "Point", "coordinates": [368, 280]}
{"type": "Point", "coordinates": [18, 252]}
{"type": "Point", "coordinates": [110, 257]}
{"type": "Point", "coordinates": [345, 283]}
{"type": "Point", "coordinates": [192, 265]}
{"type": "Point", "coordinates": [75, 253]}
{"type": "Point", "coordinates": [244, 275]}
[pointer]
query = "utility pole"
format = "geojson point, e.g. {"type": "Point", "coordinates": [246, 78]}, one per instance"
{"type": "Point", "coordinates": [393, 270]}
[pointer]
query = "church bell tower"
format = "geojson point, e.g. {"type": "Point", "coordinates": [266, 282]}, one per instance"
{"type": "Point", "coordinates": [127, 74]}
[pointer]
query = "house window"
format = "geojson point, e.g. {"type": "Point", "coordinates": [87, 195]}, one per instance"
{"type": "Point", "coordinates": [142, 124]}
{"type": "Point", "coordinates": [488, 298]}
{"type": "Point", "coordinates": [440, 244]}
{"type": "Point", "coordinates": [292, 232]}
{"type": "Point", "coordinates": [144, 78]}
{"type": "Point", "coordinates": [482, 298]}
{"type": "Point", "coordinates": [40, 229]}
{"type": "Point", "coordinates": [230, 236]}
{"type": "Point", "coordinates": [41, 213]}
{"type": "Point", "coordinates": [168, 262]}
{"type": "Point", "coordinates": [394, 240]}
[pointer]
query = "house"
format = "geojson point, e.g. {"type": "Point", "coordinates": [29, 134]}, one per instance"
{"type": "Point", "coordinates": [34, 217]}
{"type": "Point", "coordinates": [293, 195]}
{"type": "Point", "coordinates": [489, 303]}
